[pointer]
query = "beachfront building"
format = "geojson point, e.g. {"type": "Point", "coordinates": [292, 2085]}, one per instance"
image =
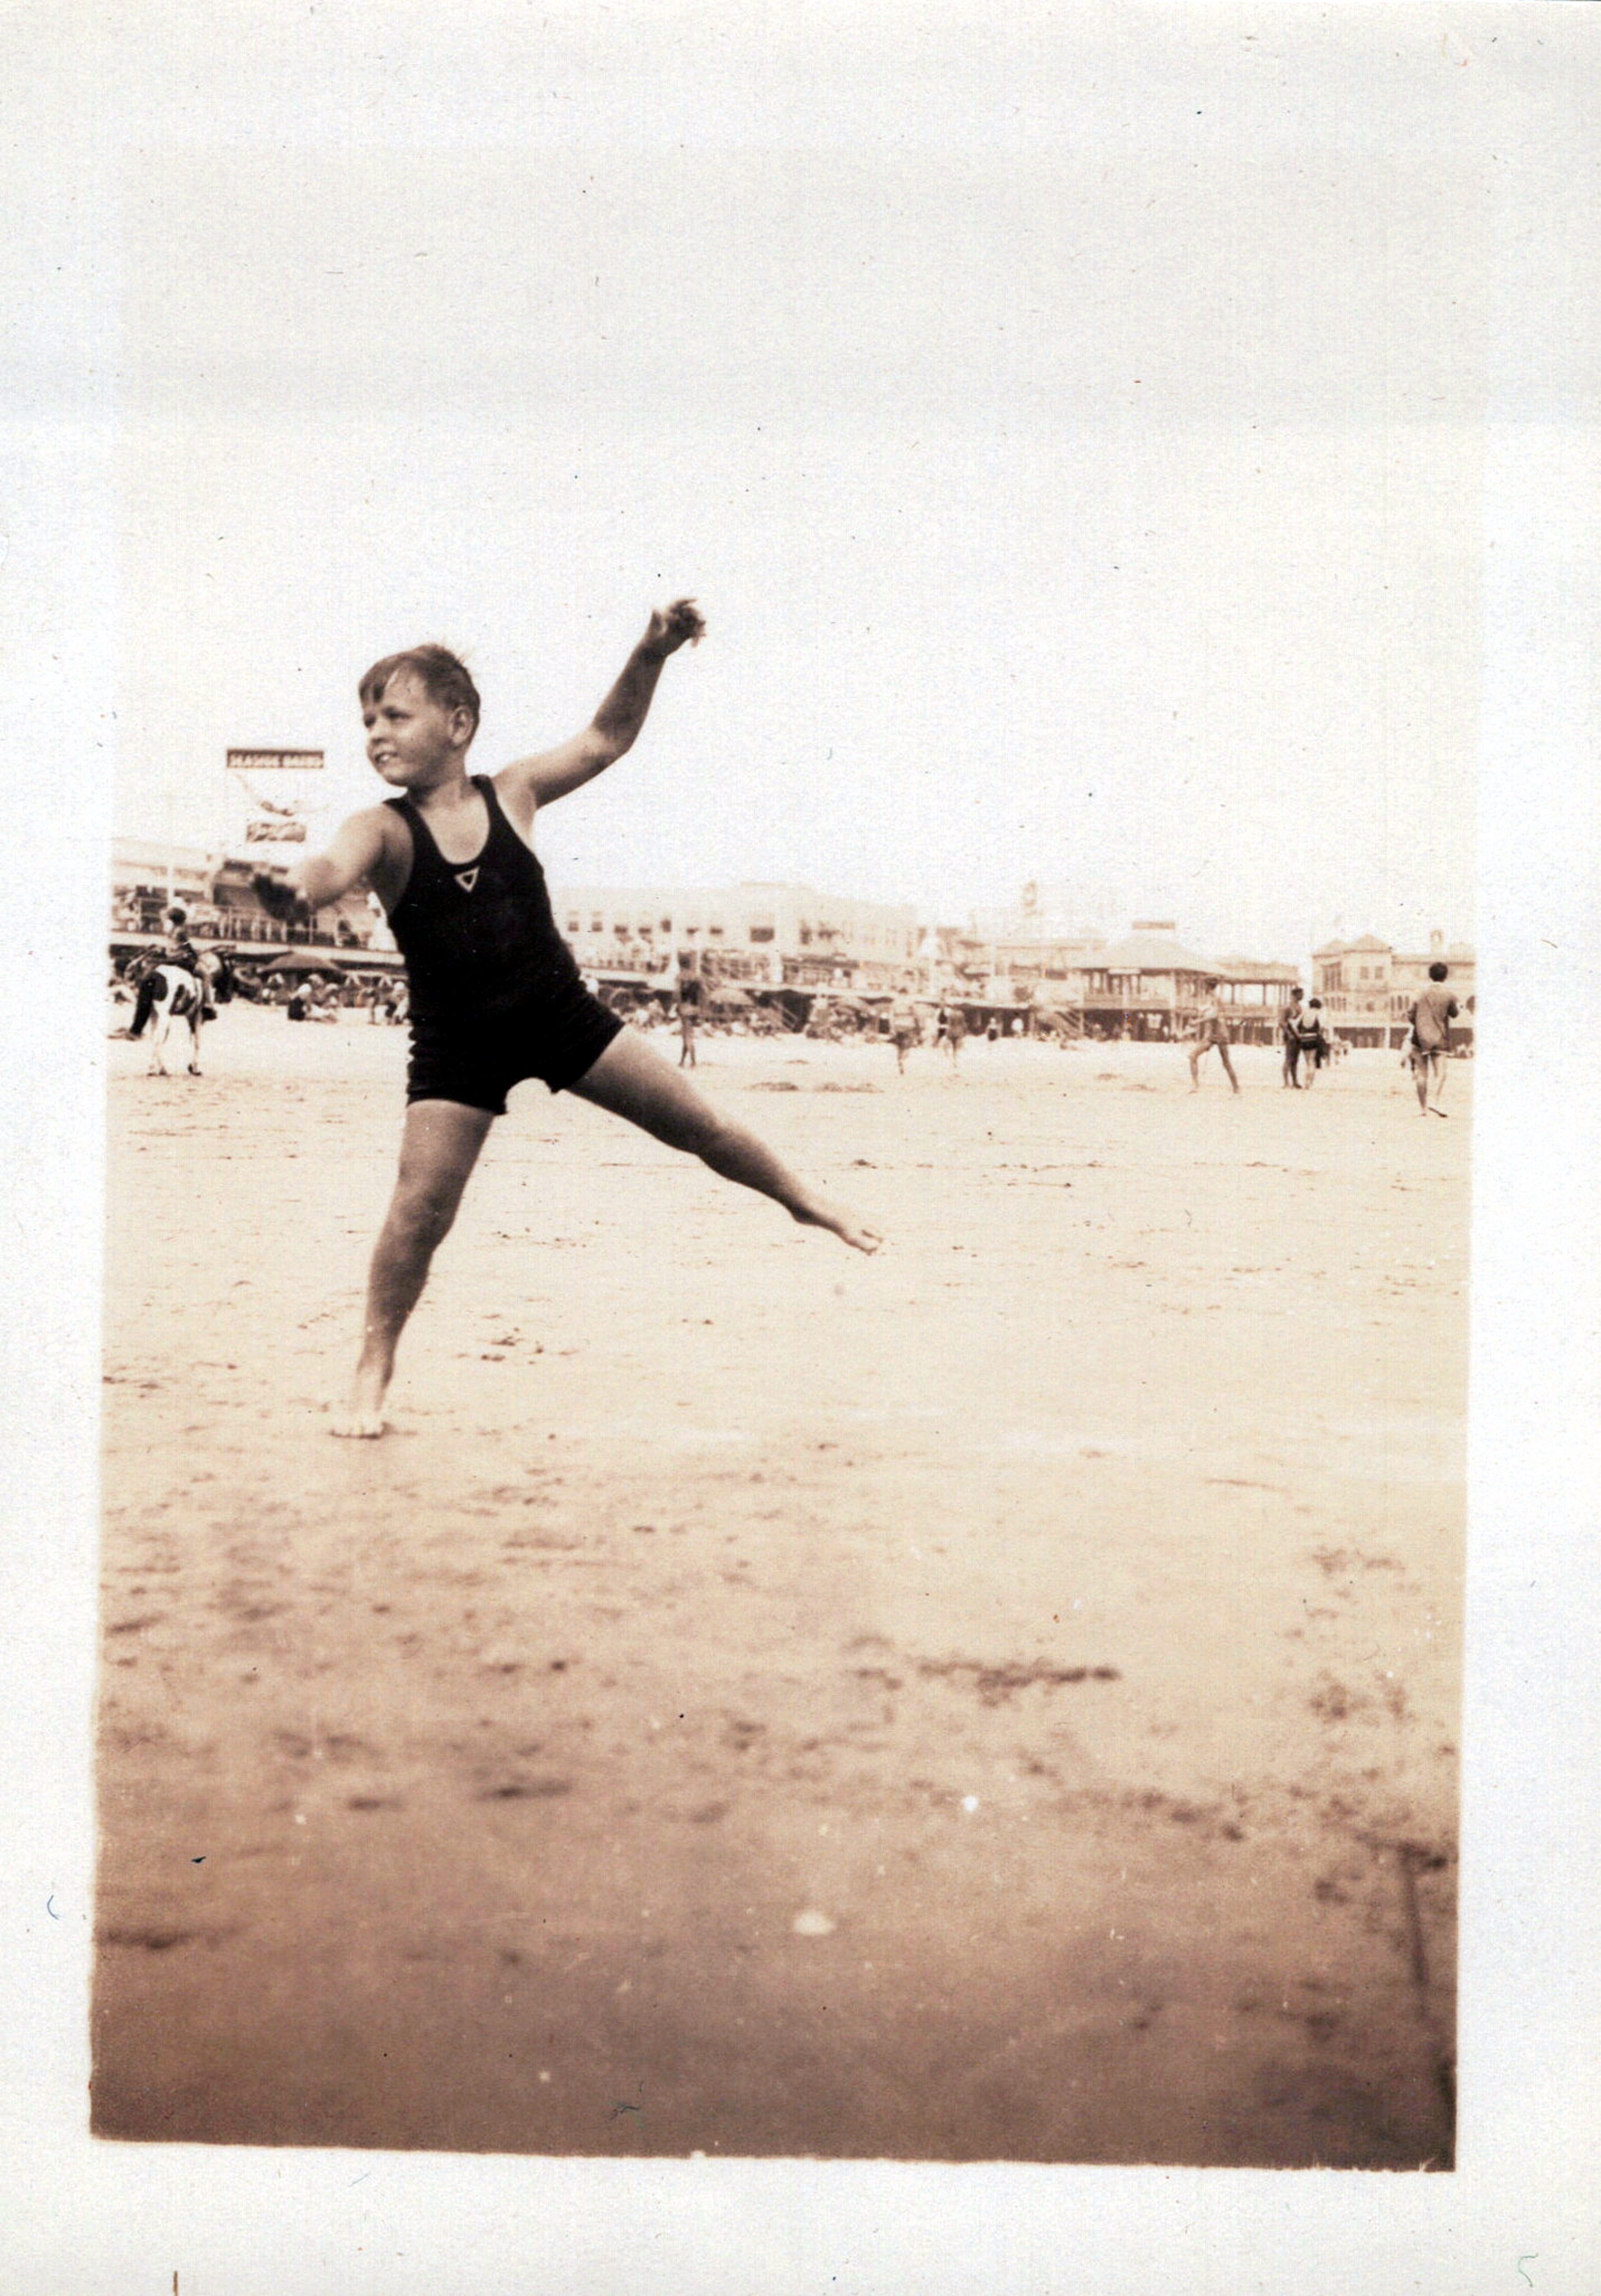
{"type": "Point", "coordinates": [220, 897]}
{"type": "Point", "coordinates": [147, 878]}
{"type": "Point", "coordinates": [1032, 953]}
{"type": "Point", "coordinates": [779, 935]}
{"type": "Point", "coordinates": [1254, 995]}
{"type": "Point", "coordinates": [1146, 986]}
{"type": "Point", "coordinates": [1368, 987]}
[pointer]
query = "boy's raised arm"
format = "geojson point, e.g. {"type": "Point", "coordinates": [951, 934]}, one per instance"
{"type": "Point", "coordinates": [535, 781]}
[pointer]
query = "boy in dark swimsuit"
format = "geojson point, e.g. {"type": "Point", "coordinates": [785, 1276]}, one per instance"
{"type": "Point", "coordinates": [496, 995]}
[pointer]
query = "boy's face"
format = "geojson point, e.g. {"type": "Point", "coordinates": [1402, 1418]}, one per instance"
{"type": "Point", "coordinates": [412, 740]}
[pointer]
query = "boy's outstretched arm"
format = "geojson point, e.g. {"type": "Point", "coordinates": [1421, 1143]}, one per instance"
{"type": "Point", "coordinates": [358, 850]}
{"type": "Point", "coordinates": [532, 781]}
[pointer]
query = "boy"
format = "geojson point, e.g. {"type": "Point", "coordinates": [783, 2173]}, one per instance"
{"type": "Point", "coordinates": [1212, 1028]}
{"type": "Point", "coordinates": [1431, 1039]}
{"type": "Point", "coordinates": [496, 995]}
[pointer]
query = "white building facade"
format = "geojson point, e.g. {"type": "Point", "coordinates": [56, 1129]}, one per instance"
{"type": "Point", "coordinates": [762, 932]}
{"type": "Point", "coordinates": [1368, 987]}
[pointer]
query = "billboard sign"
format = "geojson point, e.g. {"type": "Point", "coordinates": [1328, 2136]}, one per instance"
{"type": "Point", "coordinates": [276, 761]}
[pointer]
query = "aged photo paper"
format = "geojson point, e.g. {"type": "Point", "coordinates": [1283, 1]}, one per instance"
{"type": "Point", "coordinates": [802, 1394]}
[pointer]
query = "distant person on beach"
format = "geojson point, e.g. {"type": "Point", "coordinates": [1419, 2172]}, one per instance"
{"type": "Point", "coordinates": [1210, 1029]}
{"type": "Point", "coordinates": [496, 995]}
{"type": "Point", "coordinates": [1289, 1030]}
{"type": "Point", "coordinates": [691, 995]}
{"type": "Point", "coordinates": [176, 949]}
{"type": "Point", "coordinates": [953, 1036]}
{"type": "Point", "coordinates": [904, 1029]}
{"type": "Point", "coordinates": [1430, 1043]}
{"type": "Point", "coordinates": [1312, 1037]}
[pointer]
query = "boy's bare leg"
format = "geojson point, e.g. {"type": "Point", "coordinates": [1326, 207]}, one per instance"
{"type": "Point", "coordinates": [1435, 1082]}
{"type": "Point", "coordinates": [1228, 1067]}
{"type": "Point", "coordinates": [1195, 1053]}
{"type": "Point", "coordinates": [439, 1148]}
{"type": "Point", "coordinates": [630, 1079]}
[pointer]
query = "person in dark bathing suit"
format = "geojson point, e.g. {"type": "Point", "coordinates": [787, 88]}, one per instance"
{"type": "Point", "coordinates": [496, 995]}
{"type": "Point", "coordinates": [690, 997]}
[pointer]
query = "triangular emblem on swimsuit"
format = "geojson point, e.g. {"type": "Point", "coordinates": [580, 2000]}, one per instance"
{"type": "Point", "coordinates": [466, 879]}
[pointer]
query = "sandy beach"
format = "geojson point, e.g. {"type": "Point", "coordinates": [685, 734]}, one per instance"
{"type": "Point", "coordinates": [997, 1699]}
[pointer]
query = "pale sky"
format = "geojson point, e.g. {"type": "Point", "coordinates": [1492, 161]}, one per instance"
{"type": "Point", "coordinates": [1074, 440]}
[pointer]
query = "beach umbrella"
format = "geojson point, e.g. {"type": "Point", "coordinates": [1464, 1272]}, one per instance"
{"type": "Point", "coordinates": [306, 960]}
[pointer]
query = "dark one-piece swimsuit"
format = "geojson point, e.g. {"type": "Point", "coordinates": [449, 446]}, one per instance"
{"type": "Point", "coordinates": [496, 995]}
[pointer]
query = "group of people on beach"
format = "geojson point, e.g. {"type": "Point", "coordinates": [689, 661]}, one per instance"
{"type": "Point", "coordinates": [1305, 1040]}
{"type": "Point", "coordinates": [1307, 1044]}
{"type": "Point", "coordinates": [903, 1025]}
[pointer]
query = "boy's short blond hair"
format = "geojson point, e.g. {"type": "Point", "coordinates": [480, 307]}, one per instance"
{"type": "Point", "coordinates": [444, 677]}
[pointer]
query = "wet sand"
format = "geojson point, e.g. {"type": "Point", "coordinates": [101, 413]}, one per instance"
{"type": "Point", "coordinates": [1061, 1608]}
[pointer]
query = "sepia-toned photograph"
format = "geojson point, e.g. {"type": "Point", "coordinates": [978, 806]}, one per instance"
{"type": "Point", "coordinates": [794, 766]}
{"type": "Point", "coordinates": [790, 1021]}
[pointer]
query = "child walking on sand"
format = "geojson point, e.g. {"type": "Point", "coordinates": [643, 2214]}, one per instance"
{"type": "Point", "coordinates": [496, 995]}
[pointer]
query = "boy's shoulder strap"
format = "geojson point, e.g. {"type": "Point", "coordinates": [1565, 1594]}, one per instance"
{"type": "Point", "coordinates": [423, 846]}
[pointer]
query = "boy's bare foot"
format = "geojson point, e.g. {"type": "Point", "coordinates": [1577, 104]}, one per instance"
{"type": "Point", "coordinates": [363, 1423]}
{"type": "Point", "coordinates": [363, 1415]}
{"type": "Point", "coordinates": [846, 1225]}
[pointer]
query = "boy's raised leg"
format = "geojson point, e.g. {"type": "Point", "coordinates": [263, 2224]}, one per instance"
{"type": "Point", "coordinates": [632, 1080]}
{"type": "Point", "coordinates": [439, 1148]}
